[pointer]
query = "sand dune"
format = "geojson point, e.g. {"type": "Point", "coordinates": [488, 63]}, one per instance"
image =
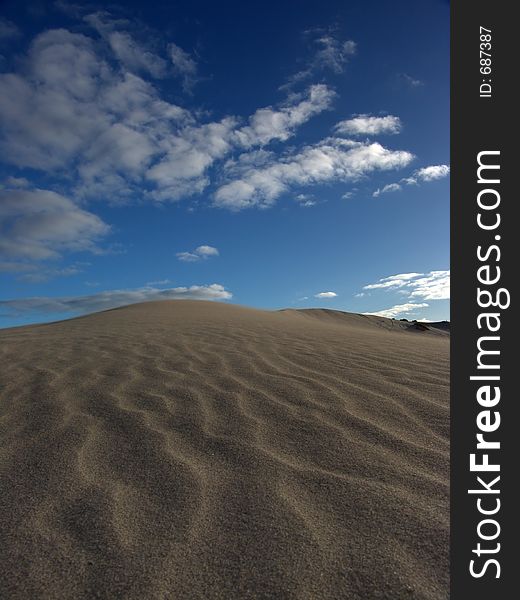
{"type": "Point", "coordinates": [196, 450]}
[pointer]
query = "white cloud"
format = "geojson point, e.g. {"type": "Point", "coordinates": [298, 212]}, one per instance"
{"type": "Point", "coordinates": [432, 173]}
{"type": "Point", "coordinates": [325, 295]}
{"type": "Point", "coordinates": [393, 281]}
{"type": "Point", "coordinates": [183, 170]}
{"type": "Point", "coordinates": [253, 158]}
{"type": "Point", "coordinates": [368, 125]}
{"type": "Point", "coordinates": [398, 310]}
{"type": "Point", "coordinates": [47, 114]}
{"type": "Point", "coordinates": [329, 160]}
{"type": "Point", "coordinates": [67, 106]}
{"type": "Point", "coordinates": [39, 224]}
{"type": "Point", "coordinates": [206, 251]}
{"type": "Point", "coordinates": [268, 124]}
{"type": "Point", "coordinates": [119, 148]}
{"type": "Point", "coordinates": [112, 299]}
{"type": "Point", "coordinates": [391, 187]}
{"type": "Point", "coordinates": [434, 285]}
{"type": "Point", "coordinates": [200, 253]}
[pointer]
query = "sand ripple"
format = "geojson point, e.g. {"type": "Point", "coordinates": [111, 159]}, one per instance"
{"type": "Point", "coordinates": [207, 451]}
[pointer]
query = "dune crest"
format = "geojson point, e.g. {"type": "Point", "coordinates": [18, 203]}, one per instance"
{"type": "Point", "coordinates": [189, 449]}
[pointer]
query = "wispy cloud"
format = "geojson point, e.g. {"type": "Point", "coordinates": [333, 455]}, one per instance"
{"type": "Point", "coordinates": [422, 175]}
{"type": "Point", "coordinates": [44, 274]}
{"type": "Point", "coordinates": [329, 53]}
{"type": "Point", "coordinates": [306, 200]}
{"type": "Point", "coordinates": [325, 295]}
{"type": "Point", "coordinates": [430, 173]}
{"type": "Point", "coordinates": [398, 310]}
{"type": "Point", "coordinates": [413, 82]}
{"type": "Point", "coordinates": [200, 253]}
{"type": "Point", "coordinates": [184, 65]}
{"type": "Point", "coordinates": [7, 266]}
{"type": "Point", "coordinates": [8, 30]}
{"type": "Point", "coordinates": [133, 56]}
{"type": "Point", "coordinates": [369, 125]}
{"type": "Point", "coordinates": [111, 299]}
{"type": "Point", "coordinates": [69, 8]}
{"type": "Point", "coordinates": [159, 282]}
{"type": "Point", "coordinates": [16, 182]}
{"type": "Point", "coordinates": [391, 187]}
{"type": "Point", "coordinates": [434, 285]}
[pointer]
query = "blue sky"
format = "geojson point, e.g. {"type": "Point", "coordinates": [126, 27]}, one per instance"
{"type": "Point", "coordinates": [273, 154]}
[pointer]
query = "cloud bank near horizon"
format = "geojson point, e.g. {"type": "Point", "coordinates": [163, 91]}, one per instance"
{"type": "Point", "coordinates": [111, 299]}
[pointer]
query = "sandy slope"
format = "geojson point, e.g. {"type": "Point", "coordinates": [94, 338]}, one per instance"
{"type": "Point", "coordinates": [200, 450]}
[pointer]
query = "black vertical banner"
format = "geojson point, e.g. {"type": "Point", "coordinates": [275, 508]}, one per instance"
{"type": "Point", "coordinates": [485, 253]}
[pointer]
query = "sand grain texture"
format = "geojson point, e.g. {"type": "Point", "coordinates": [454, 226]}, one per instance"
{"type": "Point", "coordinates": [196, 450]}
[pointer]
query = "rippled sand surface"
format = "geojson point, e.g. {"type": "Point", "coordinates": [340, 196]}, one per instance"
{"type": "Point", "coordinates": [196, 450]}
